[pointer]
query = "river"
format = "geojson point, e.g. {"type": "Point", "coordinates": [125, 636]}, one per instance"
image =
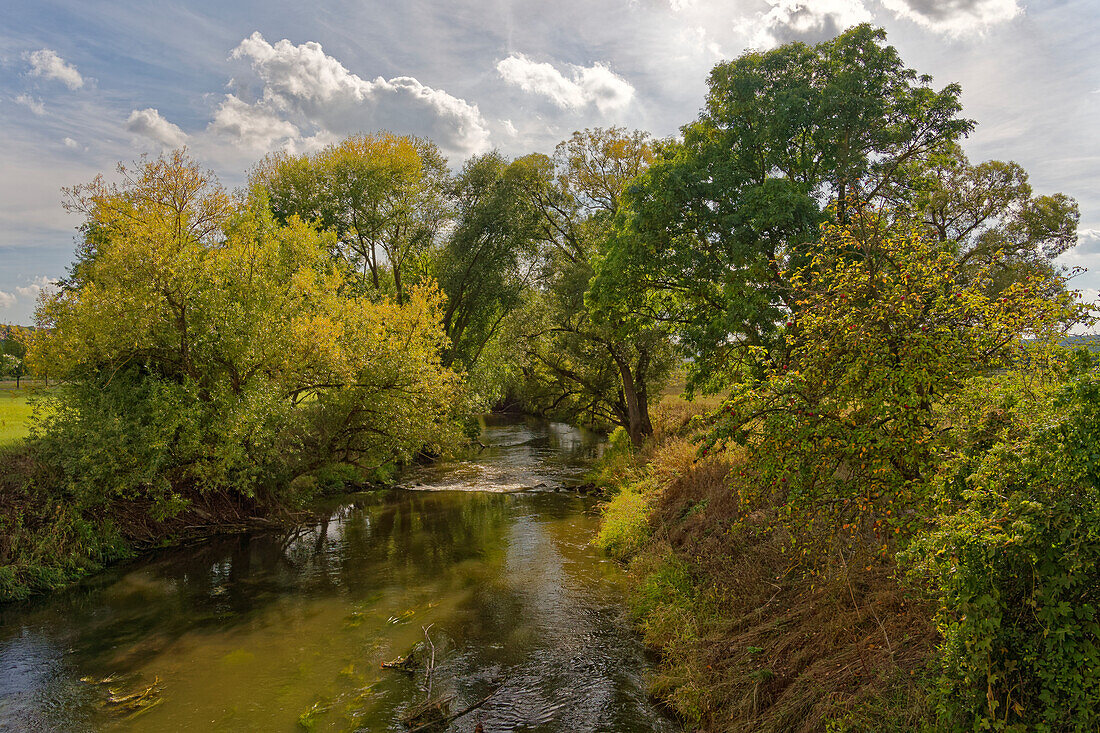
{"type": "Point", "coordinates": [487, 559]}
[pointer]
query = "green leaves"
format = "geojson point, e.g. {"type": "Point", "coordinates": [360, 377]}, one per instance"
{"type": "Point", "coordinates": [719, 218]}
{"type": "Point", "coordinates": [228, 359]}
{"type": "Point", "coordinates": [848, 420]}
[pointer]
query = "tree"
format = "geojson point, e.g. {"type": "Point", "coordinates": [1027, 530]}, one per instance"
{"type": "Point", "coordinates": [210, 349]}
{"type": "Point", "coordinates": [989, 212]}
{"type": "Point", "coordinates": [487, 263]}
{"type": "Point", "coordinates": [784, 135]}
{"type": "Point", "coordinates": [13, 350]}
{"type": "Point", "coordinates": [588, 358]}
{"type": "Point", "coordinates": [846, 425]}
{"type": "Point", "coordinates": [383, 195]}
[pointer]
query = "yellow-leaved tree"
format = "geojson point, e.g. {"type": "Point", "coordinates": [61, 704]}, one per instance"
{"type": "Point", "coordinates": [213, 354]}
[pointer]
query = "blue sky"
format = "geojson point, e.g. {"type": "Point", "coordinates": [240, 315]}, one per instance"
{"type": "Point", "coordinates": [86, 84]}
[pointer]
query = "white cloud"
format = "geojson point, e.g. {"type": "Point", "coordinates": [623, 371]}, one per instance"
{"type": "Point", "coordinates": [255, 126]}
{"type": "Point", "coordinates": [34, 105]}
{"type": "Point", "coordinates": [49, 65]}
{"type": "Point", "coordinates": [595, 84]}
{"type": "Point", "coordinates": [149, 123]}
{"type": "Point", "coordinates": [802, 20]}
{"type": "Point", "coordinates": [304, 84]}
{"type": "Point", "coordinates": [955, 17]}
{"type": "Point", "coordinates": [27, 293]}
{"type": "Point", "coordinates": [1088, 240]}
{"type": "Point", "coordinates": [70, 143]}
{"type": "Point", "coordinates": [36, 287]}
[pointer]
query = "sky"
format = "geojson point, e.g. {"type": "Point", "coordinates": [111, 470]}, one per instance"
{"type": "Point", "coordinates": [85, 84]}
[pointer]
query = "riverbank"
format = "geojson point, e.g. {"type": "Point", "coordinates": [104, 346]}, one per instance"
{"type": "Point", "coordinates": [748, 640]}
{"type": "Point", "coordinates": [48, 542]}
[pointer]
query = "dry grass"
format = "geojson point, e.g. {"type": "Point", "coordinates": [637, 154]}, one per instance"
{"type": "Point", "coordinates": [751, 641]}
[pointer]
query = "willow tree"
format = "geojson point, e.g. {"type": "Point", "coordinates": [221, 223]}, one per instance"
{"type": "Point", "coordinates": [588, 360]}
{"type": "Point", "coordinates": [383, 195]}
{"type": "Point", "coordinates": [487, 263]}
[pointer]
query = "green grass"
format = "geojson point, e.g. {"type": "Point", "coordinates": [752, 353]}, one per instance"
{"type": "Point", "coordinates": [15, 416]}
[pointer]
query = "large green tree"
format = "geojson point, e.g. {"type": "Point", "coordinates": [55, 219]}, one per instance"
{"type": "Point", "coordinates": [487, 263]}
{"type": "Point", "coordinates": [588, 360]}
{"type": "Point", "coordinates": [784, 134]}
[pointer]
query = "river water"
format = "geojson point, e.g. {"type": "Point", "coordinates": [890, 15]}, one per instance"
{"type": "Point", "coordinates": [488, 560]}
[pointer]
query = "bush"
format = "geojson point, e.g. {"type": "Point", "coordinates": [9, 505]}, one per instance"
{"type": "Point", "coordinates": [1018, 583]}
{"type": "Point", "coordinates": [625, 523]}
{"type": "Point", "coordinates": [1017, 575]}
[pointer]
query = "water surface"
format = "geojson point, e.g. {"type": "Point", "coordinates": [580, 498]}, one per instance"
{"type": "Point", "coordinates": [284, 631]}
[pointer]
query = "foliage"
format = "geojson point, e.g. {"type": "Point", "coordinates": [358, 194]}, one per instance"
{"type": "Point", "coordinates": [382, 195]}
{"type": "Point", "coordinates": [10, 366]}
{"type": "Point", "coordinates": [625, 528]}
{"type": "Point", "coordinates": [401, 218]}
{"type": "Point", "coordinates": [487, 263]}
{"type": "Point", "coordinates": [589, 359]}
{"type": "Point", "coordinates": [1016, 571]}
{"type": "Point", "coordinates": [845, 425]}
{"type": "Point", "coordinates": [721, 215]}
{"type": "Point", "coordinates": [211, 350]}
{"type": "Point", "coordinates": [990, 214]}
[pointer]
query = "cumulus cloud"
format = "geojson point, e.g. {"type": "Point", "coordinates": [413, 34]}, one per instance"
{"type": "Point", "coordinates": [34, 105]}
{"type": "Point", "coordinates": [37, 285]}
{"type": "Point", "coordinates": [803, 20]}
{"type": "Point", "coordinates": [27, 292]}
{"type": "Point", "coordinates": [254, 126]}
{"type": "Point", "coordinates": [49, 65]}
{"type": "Point", "coordinates": [149, 123]}
{"type": "Point", "coordinates": [1088, 240]}
{"type": "Point", "coordinates": [955, 17]}
{"type": "Point", "coordinates": [70, 143]}
{"type": "Point", "coordinates": [305, 88]}
{"type": "Point", "coordinates": [585, 85]}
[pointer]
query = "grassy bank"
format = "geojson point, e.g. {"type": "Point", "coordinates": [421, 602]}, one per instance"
{"type": "Point", "coordinates": [748, 640]}
{"type": "Point", "coordinates": [49, 538]}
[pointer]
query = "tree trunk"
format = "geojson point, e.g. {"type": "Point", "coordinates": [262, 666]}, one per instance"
{"type": "Point", "coordinates": [374, 264]}
{"type": "Point", "coordinates": [397, 284]}
{"type": "Point", "coordinates": [638, 425]}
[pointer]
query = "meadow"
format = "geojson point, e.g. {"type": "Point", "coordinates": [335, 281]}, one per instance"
{"type": "Point", "coordinates": [15, 413]}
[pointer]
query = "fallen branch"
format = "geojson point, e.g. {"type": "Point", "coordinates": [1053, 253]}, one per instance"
{"type": "Point", "coordinates": [431, 664]}
{"type": "Point", "coordinates": [447, 719]}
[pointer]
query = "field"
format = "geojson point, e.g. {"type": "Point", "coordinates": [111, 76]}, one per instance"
{"type": "Point", "coordinates": [15, 413]}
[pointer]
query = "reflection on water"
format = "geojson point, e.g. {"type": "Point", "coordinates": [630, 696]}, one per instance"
{"type": "Point", "coordinates": [287, 631]}
{"type": "Point", "coordinates": [517, 455]}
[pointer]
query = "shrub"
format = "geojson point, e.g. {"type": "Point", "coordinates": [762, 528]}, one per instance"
{"type": "Point", "coordinates": [625, 524]}
{"type": "Point", "coordinates": [1017, 575]}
